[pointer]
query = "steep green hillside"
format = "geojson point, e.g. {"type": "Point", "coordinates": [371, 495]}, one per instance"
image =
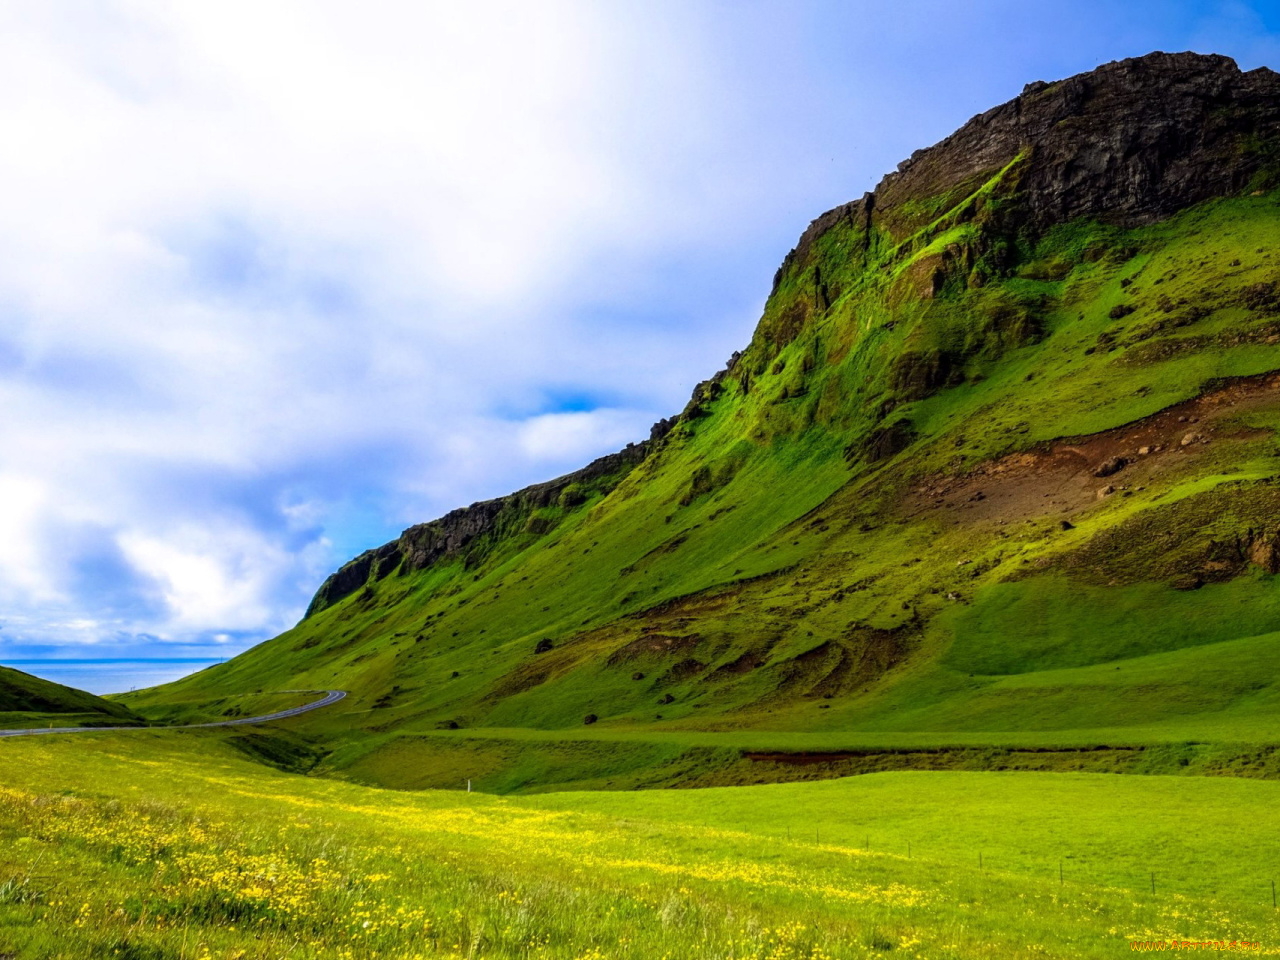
{"type": "Point", "coordinates": [999, 462]}
{"type": "Point", "coordinates": [30, 701]}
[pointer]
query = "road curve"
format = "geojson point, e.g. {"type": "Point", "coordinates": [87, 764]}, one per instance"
{"type": "Point", "coordinates": [331, 696]}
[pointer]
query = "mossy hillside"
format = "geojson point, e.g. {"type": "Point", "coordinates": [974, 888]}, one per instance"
{"type": "Point", "coordinates": [764, 536]}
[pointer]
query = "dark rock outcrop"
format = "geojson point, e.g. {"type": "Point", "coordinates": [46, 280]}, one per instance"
{"type": "Point", "coordinates": [1129, 143]}
{"type": "Point", "coordinates": [1110, 466]}
{"type": "Point", "coordinates": [458, 532]}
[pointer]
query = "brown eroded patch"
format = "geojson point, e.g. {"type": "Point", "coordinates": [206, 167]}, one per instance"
{"type": "Point", "coordinates": [1065, 477]}
{"type": "Point", "coordinates": [653, 645]}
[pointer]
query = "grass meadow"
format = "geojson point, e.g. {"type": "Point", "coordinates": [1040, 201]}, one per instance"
{"type": "Point", "coordinates": [152, 845]}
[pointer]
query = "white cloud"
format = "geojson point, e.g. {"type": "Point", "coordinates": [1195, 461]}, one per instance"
{"type": "Point", "coordinates": [263, 266]}
{"type": "Point", "coordinates": [209, 576]}
{"type": "Point", "coordinates": [22, 567]}
{"type": "Point", "coordinates": [569, 436]}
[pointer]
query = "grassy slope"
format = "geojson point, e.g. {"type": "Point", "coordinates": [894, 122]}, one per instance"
{"type": "Point", "coordinates": [760, 570]}
{"type": "Point", "coordinates": [167, 845]}
{"type": "Point", "coordinates": [27, 701]}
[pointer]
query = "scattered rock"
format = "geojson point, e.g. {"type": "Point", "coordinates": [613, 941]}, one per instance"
{"type": "Point", "coordinates": [1190, 438]}
{"type": "Point", "coordinates": [1104, 492]}
{"type": "Point", "coordinates": [544, 645]}
{"type": "Point", "coordinates": [1262, 548]}
{"type": "Point", "coordinates": [1143, 451]}
{"type": "Point", "coordinates": [1111, 466]}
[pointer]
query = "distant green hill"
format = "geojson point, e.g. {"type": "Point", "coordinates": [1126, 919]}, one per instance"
{"type": "Point", "coordinates": [998, 466]}
{"type": "Point", "coordinates": [30, 701]}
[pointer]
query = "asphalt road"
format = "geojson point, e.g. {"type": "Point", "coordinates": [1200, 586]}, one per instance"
{"type": "Point", "coordinates": [332, 696]}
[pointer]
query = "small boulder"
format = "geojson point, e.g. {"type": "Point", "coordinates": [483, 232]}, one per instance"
{"type": "Point", "coordinates": [1066, 525]}
{"type": "Point", "coordinates": [590, 718]}
{"type": "Point", "coordinates": [1111, 466]}
{"type": "Point", "coordinates": [544, 645]}
{"type": "Point", "coordinates": [1143, 451]}
{"type": "Point", "coordinates": [637, 675]}
{"type": "Point", "coordinates": [1189, 439]}
{"type": "Point", "coordinates": [1104, 492]}
{"type": "Point", "coordinates": [455, 674]}
{"type": "Point", "coordinates": [667, 698]}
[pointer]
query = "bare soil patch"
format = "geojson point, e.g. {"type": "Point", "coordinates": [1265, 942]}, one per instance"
{"type": "Point", "coordinates": [1068, 476]}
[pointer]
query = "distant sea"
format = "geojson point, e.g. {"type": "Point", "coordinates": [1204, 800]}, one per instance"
{"type": "Point", "coordinates": [112, 675]}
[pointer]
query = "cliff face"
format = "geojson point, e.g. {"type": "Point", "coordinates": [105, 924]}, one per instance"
{"type": "Point", "coordinates": [1127, 144]}
{"type": "Point", "coordinates": [1130, 143]}
{"type": "Point", "coordinates": [466, 533]}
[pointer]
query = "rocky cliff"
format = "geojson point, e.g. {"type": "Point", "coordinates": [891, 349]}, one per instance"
{"type": "Point", "coordinates": [466, 533]}
{"type": "Point", "coordinates": [1128, 144]}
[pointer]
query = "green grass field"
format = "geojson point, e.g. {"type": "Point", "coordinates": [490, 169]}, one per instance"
{"type": "Point", "coordinates": [170, 845]}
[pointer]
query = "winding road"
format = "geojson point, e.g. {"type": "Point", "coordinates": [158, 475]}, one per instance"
{"type": "Point", "coordinates": [330, 697]}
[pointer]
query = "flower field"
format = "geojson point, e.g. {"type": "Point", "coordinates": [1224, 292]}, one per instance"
{"type": "Point", "coordinates": [172, 846]}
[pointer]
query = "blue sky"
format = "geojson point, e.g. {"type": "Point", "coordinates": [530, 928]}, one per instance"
{"type": "Point", "coordinates": [280, 279]}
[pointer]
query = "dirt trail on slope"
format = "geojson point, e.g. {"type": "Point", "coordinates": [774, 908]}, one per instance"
{"type": "Point", "coordinates": [1065, 477]}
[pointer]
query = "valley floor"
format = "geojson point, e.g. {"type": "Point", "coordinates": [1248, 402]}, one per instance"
{"type": "Point", "coordinates": [171, 844]}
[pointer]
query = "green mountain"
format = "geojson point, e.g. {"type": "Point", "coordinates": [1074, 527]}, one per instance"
{"type": "Point", "coordinates": [30, 701]}
{"type": "Point", "coordinates": [998, 468]}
